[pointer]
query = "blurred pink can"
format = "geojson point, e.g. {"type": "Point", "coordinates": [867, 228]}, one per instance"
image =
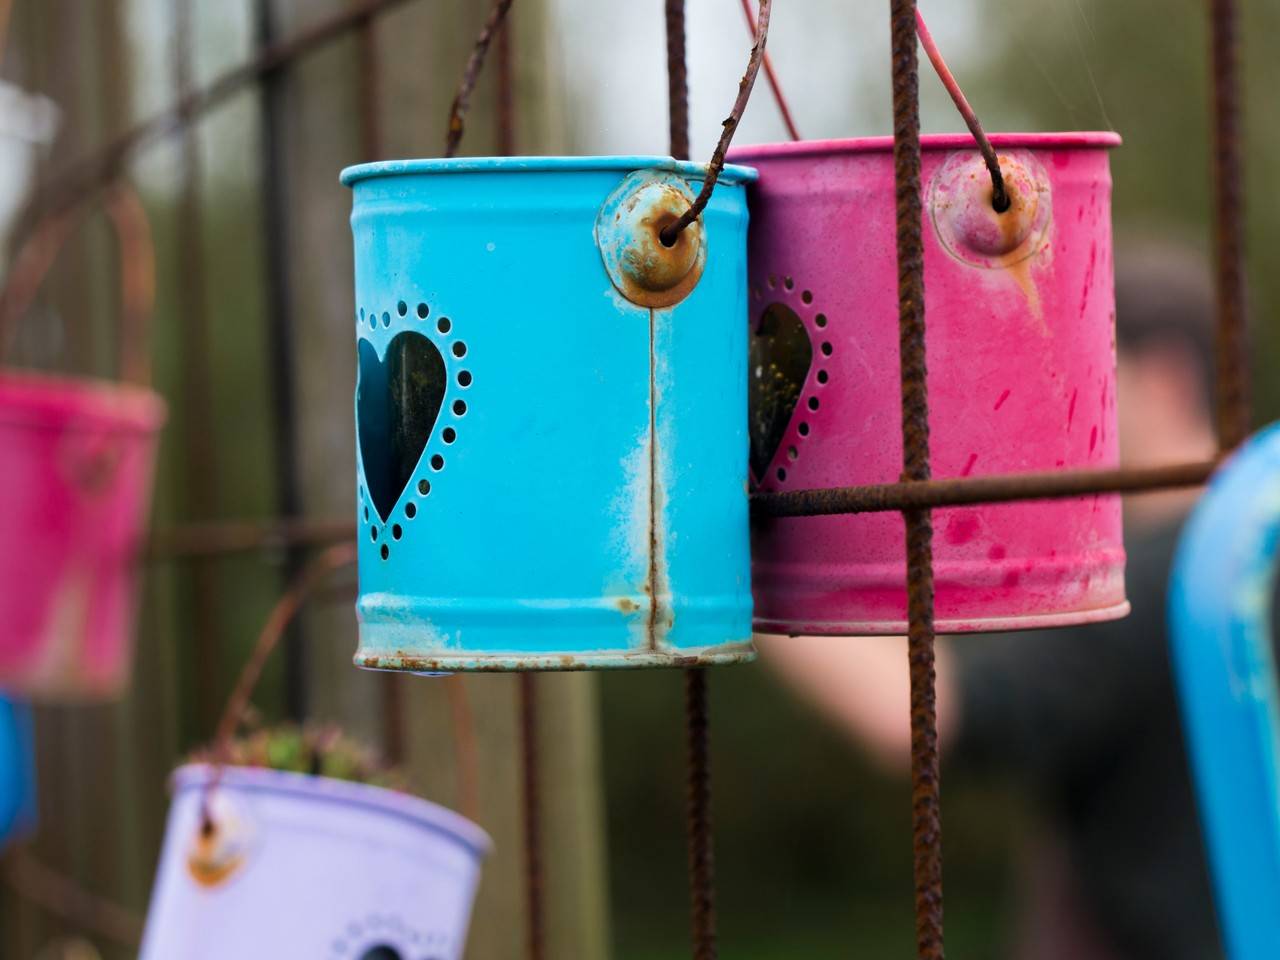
{"type": "Point", "coordinates": [1022, 378]}
{"type": "Point", "coordinates": [76, 463]}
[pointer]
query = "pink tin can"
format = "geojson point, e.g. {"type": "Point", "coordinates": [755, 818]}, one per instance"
{"type": "Point", "coordinates": [1021, 351]}
{"type": "Point", "coordinates": [76, 463]}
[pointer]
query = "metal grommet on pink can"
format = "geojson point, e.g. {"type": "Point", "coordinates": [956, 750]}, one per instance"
{"type": "Point", "coordinates": [970, 228]}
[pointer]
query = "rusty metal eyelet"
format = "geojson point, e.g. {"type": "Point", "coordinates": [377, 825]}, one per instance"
{"type": "Point", "coordinates": [967, 223]}
{"type": "Point", "coordinates": [629, 234]}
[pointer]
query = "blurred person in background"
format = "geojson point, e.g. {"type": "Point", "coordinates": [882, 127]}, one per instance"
{"type": "Point", "coordinates": [1084, 719]}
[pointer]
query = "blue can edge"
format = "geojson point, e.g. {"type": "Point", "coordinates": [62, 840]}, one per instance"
{"type": "Point", "coordinates": [732, 174]}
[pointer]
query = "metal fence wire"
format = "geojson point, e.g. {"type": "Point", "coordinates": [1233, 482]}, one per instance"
{"type": "Point", "coordinates": [915, 496]}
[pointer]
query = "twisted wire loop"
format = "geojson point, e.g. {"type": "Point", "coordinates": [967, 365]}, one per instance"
{"type": "Point", "coordinates": [925, 785]}
{"type": "Point", "coordinates": [716, 166]}
{"type": "Point", "coordinates": [677, 80]}
{"type": "Point", "coordinates": [470, 74]}
{"type": "Point", "coordinates": [771, 75]}
{"type": "Point", "coordinates": [1233, 386]}
{"type": "Point", "coordinates": [282, 614]}
{"type": "Point", "coordinates": [701, 850]}
{"type": "Point", "coordinates": [999, 194]}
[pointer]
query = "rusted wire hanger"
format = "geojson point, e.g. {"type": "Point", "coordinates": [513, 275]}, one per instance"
{"type": "Point", "coordinates": [1000, 200]}
{"type": "Point", "coordinates": [673, 230]}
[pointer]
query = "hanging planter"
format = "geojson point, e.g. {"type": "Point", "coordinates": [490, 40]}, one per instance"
{"type": "Point", "coordinates": [551, 456]}
{"type": "Point", "coordinates": [289, 843]}
{"type": "Point", "coordinates": [1021, 314]}
{"type": "Point", "coordinates": [76, 460]}
{"type": "Point", "coordinates": [293, 865]}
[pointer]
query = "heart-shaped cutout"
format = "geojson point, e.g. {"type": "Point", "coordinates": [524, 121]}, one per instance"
{"type": "Point", "coordinates": [397, 403]}
{"type": "Point", "coordinates": [780, 354]}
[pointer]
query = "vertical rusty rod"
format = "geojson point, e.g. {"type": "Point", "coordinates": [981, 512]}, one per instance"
{"type": "Point", "coordinates": [677, 80]}
{"type": "Point", "coordinates": [702, 870]}
{"type": "Point", "coordinates": [697, 721]}
{"type": "Point", "coordinates": [926, 818]}
{"type": "Point", "coordinates": [1233, 393]}
{"type": "Point", "coordinates": [536, 932]}
{"type": "Point", "coordinates": [535, 943]}
{"type": "Point", "coordinates": [393, 735]}
{"type": "Point", "coordinates": [280, 337]}
{"type": "Point", "coordinates": [200, 458]}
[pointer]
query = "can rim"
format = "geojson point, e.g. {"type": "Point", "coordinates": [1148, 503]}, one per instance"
{"type": "Point", "coordinates": [33, 398]}
{"type": "Point", "coordinates": [732, 174]}
{"type": "Point", "coordinates": [404, 806]}
{"type": "Point", "coordinates": [1076, 140]}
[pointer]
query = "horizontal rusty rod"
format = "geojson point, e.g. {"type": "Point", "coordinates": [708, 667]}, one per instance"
{"type": "Point", "coordinates": [968, 491]}
{"type": "Point", "coordinates": [93, 172]}
{"type": "Point", "coordinates": [245, 536]}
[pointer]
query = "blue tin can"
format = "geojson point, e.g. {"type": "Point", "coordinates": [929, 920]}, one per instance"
{"type": "Point", "coordinates": [17, 771]}
{"type": "Point", "coordinates": [1221, 595]}
{"type": "Point", "coordinates": [551, 415]}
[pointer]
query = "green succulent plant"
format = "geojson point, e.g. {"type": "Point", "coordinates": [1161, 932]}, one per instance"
{"type": "Point", "coordinates": [321, 750]}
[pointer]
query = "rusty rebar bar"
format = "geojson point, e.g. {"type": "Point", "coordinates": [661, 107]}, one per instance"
{"type": "Point", "coordinates": [771, 75]}
{"type": "Point", "coordinates": [677, 80]}
{"type": "Point", "coordinates": [967, 491]}
{"type": "Point", "coordinates": [1233, 381]}
{"type": "Point", "coordinates": [505, 113]}
{"type": "Point", "coordinates": [283, 614]}
{"type": "Point", "coordinates": [391, 685]}
{"type": "Point", "coordinates": [701, 863]}
{"type": "Point", "coordinates": [223, 538]}
{"type": "Point", "coordinates": [466, 755]}
{"type": "Point", "coordinates": [698, 810]}
{"type": "Point", "coordinates": [716, 166]}
{"type": "Point", "coordinates": [277, 623]}
{"type": "Point", "coordinates": [277, 242]}
{"type": "Point", "coordinates": [61, 896]}
{"type": "Point", "coordinates": [369, 91]}
{"type": "Point", "coordinates": [926, 813]}
{"type": "Point", "coordinates": [535, 924]}
{"type": "Point", "coordinates": [95, 171]}
{"type": "Point", "coordinates": [198, 437]}
{"type": "Point", "coordinates": [999, 194]}
{"type": "Point", "coordinates": [470, 74]}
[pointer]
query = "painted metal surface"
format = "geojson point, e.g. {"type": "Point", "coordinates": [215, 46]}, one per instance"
{"type": "Point", "coordinates": [551, 475]}
{"type": "Point", "coordinates": [18, 810]}
{"type": "Point", "coordinates": [310, 867]}
{"type": "Point", "coordinates": [1220, 612]}
{"type": "Point", "coordinates": [1021, 345]}
{"type": "Point", "coordinates": [76, 462]}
